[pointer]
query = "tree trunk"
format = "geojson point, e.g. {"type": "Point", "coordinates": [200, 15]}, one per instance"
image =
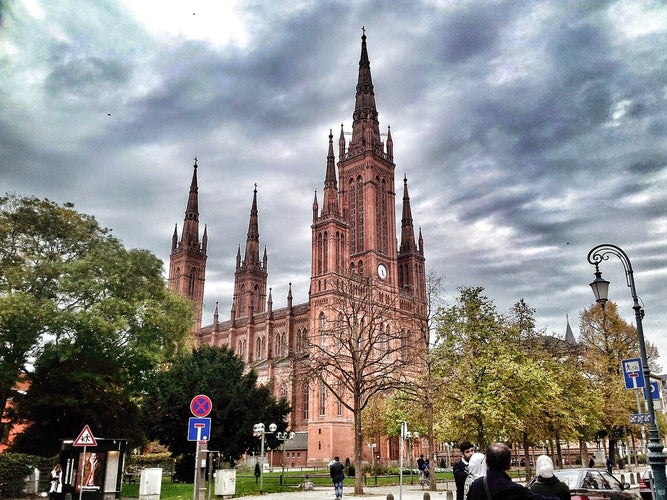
{"type": "Point", "coordinates": [358, 437]}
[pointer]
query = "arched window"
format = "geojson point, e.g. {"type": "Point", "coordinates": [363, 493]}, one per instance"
{"type": "Point", "coordinates": [323, 327]}
{"type": "Point", "coordinates": [306, 402]}
{"type": "Point", "coordinates": [339, 402]}
{"type": "Point", "coordinates": [192, 282]}
{"type": "Point", "coordinates": [323, 398]}
{"type": "Point", "coordinates": [359, 223]}
{"type": "Point", "coordinates": [319, 253]}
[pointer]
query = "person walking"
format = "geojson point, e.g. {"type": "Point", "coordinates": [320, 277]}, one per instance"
{"type": "Point", "coordinates": [56, 487]}
{"type": "Point", "coordinates": [497, 485]}
{"type": "Point", "coordinates": [336, 471]}
{"type": "Point", "coordinates": [476, 468]}
{"type": "Point", "coordinates": [546, 483]}
{"type": "Point", "coordinates": [460, 468]}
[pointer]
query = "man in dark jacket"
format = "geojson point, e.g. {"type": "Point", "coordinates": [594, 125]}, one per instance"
{"type": "Point", "coordinates": [499, 484]}
{"type": "Point", "coordinates": [337, 476]}
{"type": "Point", "coordinates": [460, 468]}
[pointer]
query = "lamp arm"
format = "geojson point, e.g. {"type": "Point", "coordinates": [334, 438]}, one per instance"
{"type": "Point", "coordinates": [602, 252]}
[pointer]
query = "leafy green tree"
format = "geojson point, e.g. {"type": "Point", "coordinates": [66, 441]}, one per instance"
{"type": "Point", "coordinates": [238, 403]}
{"type": "Point", "coordinates": [70, 291]}
{"type": "Point", "coordinates": [607, 340]}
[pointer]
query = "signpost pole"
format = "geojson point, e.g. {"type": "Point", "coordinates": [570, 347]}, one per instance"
{"type": "Point", "coordinates": [83, 466]}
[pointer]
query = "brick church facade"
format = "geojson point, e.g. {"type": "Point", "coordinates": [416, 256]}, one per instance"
{"type": "Point", "coordinates": [354, 230]}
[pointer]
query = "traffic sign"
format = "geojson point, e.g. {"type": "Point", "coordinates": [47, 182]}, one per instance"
{"type": "Point", "coordinates": [640, 418]}
{"type": "Point", "coordinates": [655, 391]}
{"type": "Point", "coordinates": [199, 429]}
{"type": "Point", "coordinates": [201, 405]}
{"type": "Point", "coordinates": [85, 438]}
{"type": "Point", "coordinates": [633, 373]}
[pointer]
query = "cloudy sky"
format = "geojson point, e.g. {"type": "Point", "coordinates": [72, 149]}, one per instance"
{"type": "Point", "coordinates": [530, 131]}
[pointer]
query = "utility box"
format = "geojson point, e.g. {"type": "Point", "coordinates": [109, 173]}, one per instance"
{"type": "Point", "coordinates": [225, 482]}
{"type": "Point", "coordinates": [150, 484]}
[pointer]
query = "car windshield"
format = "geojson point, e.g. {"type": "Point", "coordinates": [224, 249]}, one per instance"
{"type": "Point", "coordinates": [569, 477]}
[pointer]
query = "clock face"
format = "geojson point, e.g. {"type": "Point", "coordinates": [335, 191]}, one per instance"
{"type": "Point", "coordinates": [382, 271]}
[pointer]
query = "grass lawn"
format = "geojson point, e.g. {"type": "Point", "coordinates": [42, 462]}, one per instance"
{"type": "Point", "coordinates": [246, 485]}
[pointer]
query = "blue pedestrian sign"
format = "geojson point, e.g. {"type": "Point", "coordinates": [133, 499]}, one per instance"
{"type": "Point", "coordinates": [633, 373]}
{"type": "Point", "coordinates": [199, 429]}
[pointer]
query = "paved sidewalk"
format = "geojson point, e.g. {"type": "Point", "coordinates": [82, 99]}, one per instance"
{"type": "Point", "coordinates": [410, 492]}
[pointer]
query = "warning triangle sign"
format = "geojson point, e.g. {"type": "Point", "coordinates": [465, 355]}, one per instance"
{"type": "Point", "coordinates": [85, 438]}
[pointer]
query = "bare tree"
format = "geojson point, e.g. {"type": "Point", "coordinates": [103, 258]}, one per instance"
{"type": "Point", "coordinates": [363, 346]}
{"type": "Point", "coordinates": [422, 390]}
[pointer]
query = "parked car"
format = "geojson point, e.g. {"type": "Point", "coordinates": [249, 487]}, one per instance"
{"type": "Point", "coordinates": [645, 486]}
{"type": "Point", "coordinates": [595, 484]}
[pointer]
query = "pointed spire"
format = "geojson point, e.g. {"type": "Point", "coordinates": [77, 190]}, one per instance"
{"type": "Point", "coordinates": [270, 301]}
{"type": "Point", "coordinates": [204, 239]}
{"type": "Point", "coordinates": [330, 202]}
{"type": "Point", "coordinates": [421, 242]}
{"type": "Point", "coordinates": [569, 336]}
{"type": "Point", "coordinates": [192, 211]}
{"type": "Point", "coordinates": [390, 145]}
{"type": "Point", "coordinates": [174, 238]}
{"type": "Point", "coordinates": [289, 296]}
{"type": "Point", "coordinates": [407, 228]}
{"type": "Point", "coordinates": [215, 314]}
{"type": "Point", "coordinates": [341, 144]}
{"type": "Point", "coordinates": [190, 236]}
{"type": "Point", "coordinates": [252, 242]}
{"type": "Point", "coordinates": [365, 128]}
{"type": "Point", "coordinates": [316, 207]}
{"type": "Point", "coordinates": [238, 258]}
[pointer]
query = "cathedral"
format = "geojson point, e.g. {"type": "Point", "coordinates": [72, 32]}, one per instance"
{"type": "Point", "coordinates": [354, 230]}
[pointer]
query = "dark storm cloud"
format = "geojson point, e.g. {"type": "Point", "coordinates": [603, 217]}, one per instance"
{"type": "Point", "coordinates": [529, 131]}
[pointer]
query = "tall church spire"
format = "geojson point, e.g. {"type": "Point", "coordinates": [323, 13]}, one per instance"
{"type": "Point", "coordinates": [187, 262]}
{"type": "Point", "coordinates": [252, 241]}
{"type": "Point", "coordinates": [407, 228]}
{"type": "Point", "coordinates": [365, 125]}
{"type": "Point", "coordinates": [251, 275]}
{"type": "Point", "coordinates": [330, 203]}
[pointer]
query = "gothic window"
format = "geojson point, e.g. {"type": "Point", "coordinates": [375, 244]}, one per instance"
{"type": "Point", "coordinates": [306, 402]}
{"type": "Point", "coordinates": [319, 253]}
{"type": "Point", "coordinates": [353, 217]}
{"type": "Point", "coordinates": [255, 299]}
{"type": "Point", "coordinates": [241, 302]}
{"type": "Point", "coordinates": [383, 241]}
{"type": "Point", "coordinates": [283, 392]}
{"type": "Point", "coordinates": [258, 348]}
{"type": "Point", "coordinates": [323, 327]}
{"type": "Point", "coordinates": [339, 404]}
{"type": "Point", "coordinates": [360, 214]}
{"type": "Point", "coordinates": [323, 398]}
{"type": "Point", "coordinates": [340, 329]}
{"type": "Point", "coordinates": [192, 282]}
{"type": "Point", "coordinates": [325, 248]}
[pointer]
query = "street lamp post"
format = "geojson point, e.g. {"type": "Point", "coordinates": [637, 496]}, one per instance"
{"type": "Point", "coordinates": [284, 436]}
{"type": "Point", "coordinates": [600, 288]}
{"type": "Point", "coordinates": [260, 431]}
{"type": "Point", "coordinates": [372, 447]}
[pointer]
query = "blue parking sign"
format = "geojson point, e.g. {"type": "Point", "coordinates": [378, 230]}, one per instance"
{"type": "Point", "coordinates": [633, 373]}
{"type": "Point", "coordinates": [199, 429]}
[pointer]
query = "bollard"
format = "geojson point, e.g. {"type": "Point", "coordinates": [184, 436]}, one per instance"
{"type": "Point", "coordinates": [390, 496]}
{"type": "Point", "coordinates": [622, 478]}
{"type": "Point", "coordinates": [427, 495]}
{"type": "Point", "coordinates": [68, 496]}
{"type": "Point", "coordinates": [449, 495]}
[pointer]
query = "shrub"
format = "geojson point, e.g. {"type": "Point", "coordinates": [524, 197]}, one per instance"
{"type": "Point", "coordinates": [14, 468]}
